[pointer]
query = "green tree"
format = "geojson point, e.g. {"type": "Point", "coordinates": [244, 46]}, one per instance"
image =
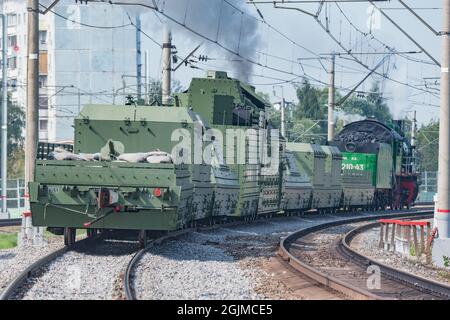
{"type": "Point", "coordinates": [373, 105]}
{"type": "Point", "coordinates": [273, 115]}
{"type": "Point", "coordinates": [428, 146]}
{"type": "Point", "coordinates": [311, 102]}
{"type": "Point", "coordinates": [16, 125]}
{"type": "Point", "coordinates": [309, 115]}
{"type": "Point", "coordinates": [155, 90]}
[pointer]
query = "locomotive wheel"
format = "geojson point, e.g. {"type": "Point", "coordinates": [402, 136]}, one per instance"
{"type": "Point", "coordinates": [142, 238]}
{"type": "Point", "coordinates": [69, 236]}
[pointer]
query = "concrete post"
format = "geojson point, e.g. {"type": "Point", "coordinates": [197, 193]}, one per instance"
{"type": "Point", "coordinates": [138, 57]}
{"type": "Point", "coordinates": [4, 164]}
{"type": "Point", "coordinates": [146, 98]}
{"type": "Point", "coordinates": [283, 117]}
{"type": "Point", "coordinates": [441, 246]}
{"type": "Point", "coordinates": [166, 65]}
{"type": "Point", "coordinates": [32, 117]}
{"type": "Point", "coordinates": [331, 102]}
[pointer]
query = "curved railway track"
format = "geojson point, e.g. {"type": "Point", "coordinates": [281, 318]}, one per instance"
{"type": "Point", "coordinates": [346, 270]}
{"type": "Point", "coordinates": [128, 289]}
{"type": "Point", "coordinates": [10, 222]}
{"type": "Point", "coordinates": [82, 254]}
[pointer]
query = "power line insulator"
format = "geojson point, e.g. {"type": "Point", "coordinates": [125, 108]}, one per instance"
{"type": "Point", "coordinates": [203, 58]}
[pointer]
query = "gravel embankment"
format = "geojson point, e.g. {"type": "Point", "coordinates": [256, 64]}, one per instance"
{"type": "Point", "coordinates": [227, 263]}
{"type": "Point", "coordinates": [367, 244]}
{"type": "Point", "coordinates": [88, 272]}
{"type": "Point", "coordinates": [14, 261]}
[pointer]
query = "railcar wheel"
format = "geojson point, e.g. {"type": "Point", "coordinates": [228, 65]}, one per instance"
{"type": "Point", "coordinates": [142, 238]}
{"type": "Point", "coordinates": [69, 236]}
{"type": "Point", "coordinates": [91, 232]}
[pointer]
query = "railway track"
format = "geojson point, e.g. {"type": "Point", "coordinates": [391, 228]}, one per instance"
{"type": "Point", "coordinates": [10, 222]}
{"type": "Point", "coordinates": [92, 262]}
{"type": "Point", "coordinates": [132, 257]}
{"type": "Point", "coordinates": [131, 293]}
{"type": "Point", "coordinates": [346, 270]}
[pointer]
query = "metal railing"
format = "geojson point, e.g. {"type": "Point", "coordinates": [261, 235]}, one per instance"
{"type": "Point", "coordinates": [15, 191]}
{"type": "Point", "coordinates": [428, 186]}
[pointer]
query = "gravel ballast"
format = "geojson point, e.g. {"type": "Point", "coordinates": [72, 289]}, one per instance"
{"type": "Point", "coordinates": [88, 272]}
{"type": "Point", "coordinates": [226, 263]}
{"type": "Point", "coordinates": [367, 244]}
{"type": "Point", "coordinates": [13, 261]}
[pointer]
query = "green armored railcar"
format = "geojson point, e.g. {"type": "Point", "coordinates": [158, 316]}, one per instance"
{"type": "Point", "coordinates": [109, 194]}
{"type": "Point", "coordinates": [157, 196]}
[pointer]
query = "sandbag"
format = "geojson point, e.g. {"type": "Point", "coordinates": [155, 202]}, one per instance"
{"type": "Point", "coordinates": [133, 157]}
{"type": "Point", "coordinates": [159, 157]}
{"type": "Point", "coordinates": [61, 154]}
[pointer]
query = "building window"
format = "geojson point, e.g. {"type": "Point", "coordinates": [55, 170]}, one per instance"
{"type": "Point", "coordinates": [43, 102]}
{"type": "Point", "coordinates": [43, 37]}
{"type": "Point", "coordinates": [12, 83]}
{"type": "Point", "coordinates": [12, 63]}
{"type": "Point", "coordinates": [12, 41]}
{"type": "Point", "coordinates": [42, 81]}
{"type": "Point", "coordinates": [12, 19]}
{"type": "Point", "coordinates": [43, 125]}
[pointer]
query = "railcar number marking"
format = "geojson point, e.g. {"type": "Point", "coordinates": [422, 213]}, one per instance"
{"type": "Point", "coordinates": [351, 166]}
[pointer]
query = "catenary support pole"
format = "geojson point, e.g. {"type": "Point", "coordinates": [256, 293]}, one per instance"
{"type": "Point", "coordinates": [4, 144]}
{"type": "Point", "coordinates": [331, 102]}
{"type": "Point", "coordinates": [32, 113]}
{"type": "Point", "coordinates": [441, 246]}
{"type": "Point", "coordinates": [283, 117]}
{"type": "Point", "coordinates": [413, 141]}
{"type": "Point", "coordinates": [138, 57]}
{"type": "Point", "coordinates": [166, 65]}
{"type": "Point", "coordinates": [146, 98]}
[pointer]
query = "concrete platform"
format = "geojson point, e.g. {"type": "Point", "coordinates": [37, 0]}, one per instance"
{"type": "Point", "coordinates": [441, 249]}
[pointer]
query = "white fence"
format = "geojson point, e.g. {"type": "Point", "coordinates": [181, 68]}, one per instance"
{"type": "Point", "coordinates": [428, 186]}
{"type": "Point", "coordinates": [15, 192]}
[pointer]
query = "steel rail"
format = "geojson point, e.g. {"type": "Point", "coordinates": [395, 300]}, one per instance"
{"type": "Point", "coordinates": [10, 222]}
{"type": "Point", "coordinates": [427, 285]}
{"type": "Point", "coordinates": [32, 269]}
{"type": "Point", "coordinates": [327, 280]}
{"type": "Point", "coordinates": [128, 289]}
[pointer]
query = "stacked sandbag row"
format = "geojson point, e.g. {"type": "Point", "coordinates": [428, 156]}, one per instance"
{"type": "Point", "coordinates": [156, 156]}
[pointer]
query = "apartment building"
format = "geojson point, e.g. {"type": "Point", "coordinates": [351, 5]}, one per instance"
{"type": "Point", "coordinates": [87, 55]}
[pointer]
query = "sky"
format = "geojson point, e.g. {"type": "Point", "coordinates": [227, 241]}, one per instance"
{"type": "Point", "coordinates": [281, 41]}
{"type": "Point", "coordinates": [278, 48]}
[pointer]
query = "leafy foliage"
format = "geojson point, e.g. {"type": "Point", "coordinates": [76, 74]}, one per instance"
{"type": "Point", "coordinates": [16, 126]}
{"type": "Point", "coordinates": [428, 146]}
{"type": "Point", "coordinates": [155, 90]}
{"type": "Point", "coordinates": [312, 102]}
{"type": "Point", "coordinates": [374, 105]}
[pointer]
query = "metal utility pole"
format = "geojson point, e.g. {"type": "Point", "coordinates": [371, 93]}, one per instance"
{"type": "Point", "coordinates": [32, 111]}
{"type": "Point", "coordinates": [283, 117]}
{"type": "Point", "coordinates": [331, 102]}
{"type": "Point", "coordinates": [166, 65]}
{"type": "Point", "coordinates": [413, 131]}
{"type": "Point", "coordinates": [146, 98]}
{"type": "Point", "coordinates": [138, 58]}
{"type": "Point", "coordinates": [413, 142]}
{"type": "Point", "coordinates": [4, 169]}
{"type": "Point", "coordinates": [441, 246]}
